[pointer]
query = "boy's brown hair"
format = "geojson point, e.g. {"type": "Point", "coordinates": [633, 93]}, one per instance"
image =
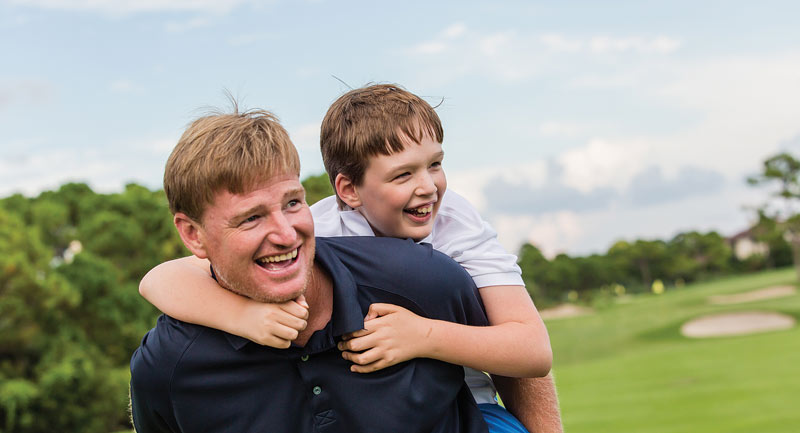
{"type": "Point", "coordinates": [234, 152]}
{"type": "Point", "coordinates": [371, 121]}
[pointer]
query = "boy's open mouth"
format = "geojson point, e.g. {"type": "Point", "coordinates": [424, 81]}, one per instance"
{"type": "Point", "coordinates": [420, 211]}
{"type": "Point", "coordinates": [278, 261]}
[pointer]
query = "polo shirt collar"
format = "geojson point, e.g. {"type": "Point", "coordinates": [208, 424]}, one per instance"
{"type": "Point", "coordinates": [347, 315]}
{"type": "Point", "coordinates": [356, 225]}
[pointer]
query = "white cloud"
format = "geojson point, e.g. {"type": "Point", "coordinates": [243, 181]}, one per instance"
{"type": "Point", "coordinates": [125, 7]}
{"type": "Point", "coordinates": [124, 85]}
{"type": "Point", "coordinates": [561, 129]}
{"type": "Point", "coordinates": [27, 91]}
{"type": "Point", "coordinates": [454, 31]}
{"type": "Point", "coordinates": [561, 44]}
{"type": "Point", "coordinates": [606, 44]}
{"type": "Point", "coordinates": [552, 233]}
{"type": "Point", "coordinates": [471, 183]}
{"type": "Point", "coordinates": [433, 47]}
{"type": "Point", "coordinates": [603, 163]}
{"type": "Point", "coordinates": [30, 166]}
{"type": "Point", "coordinates": [514, 56]}
{"type": "Point", "coordinates": [306, 137]}
{"type": "Point", "coordinates": [246, 39]}
{"type": "Point", "coordinates": [184, 26]}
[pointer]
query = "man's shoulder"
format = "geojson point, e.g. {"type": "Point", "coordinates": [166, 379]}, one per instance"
{"type": "Point", "coordinates": [417, 272]}
{"type": "Point", "coordinates": [162, 348]}
{"type": "Point", "coordinates": [391, 254]}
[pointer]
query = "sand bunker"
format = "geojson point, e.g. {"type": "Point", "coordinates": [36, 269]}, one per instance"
{"type": "Point", "coordinates": [741, 323]}
{"type": "Point", "coordinates": [752, 296]}
{"type": "Point", "coordinates": [564, 311]}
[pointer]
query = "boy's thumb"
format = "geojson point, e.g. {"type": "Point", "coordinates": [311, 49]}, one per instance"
{"type": "Point", "coordinates": [302, 301]}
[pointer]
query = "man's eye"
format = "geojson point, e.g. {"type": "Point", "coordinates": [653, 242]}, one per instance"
{"type": "Point", "coordinates": [251, 218]}
{"type": "Point", "coordinates": [293, 203]}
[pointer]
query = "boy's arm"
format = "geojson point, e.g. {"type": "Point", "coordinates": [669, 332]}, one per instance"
{"type": "Point", "coordinates": [516, 344]}
{"type": "Point", "coordinates": [183, 288]}
{"type": "Point", "coordinates": [533, 401]}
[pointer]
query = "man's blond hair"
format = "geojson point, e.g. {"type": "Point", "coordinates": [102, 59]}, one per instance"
{"type": "Point", "coordinates": [233, 152]}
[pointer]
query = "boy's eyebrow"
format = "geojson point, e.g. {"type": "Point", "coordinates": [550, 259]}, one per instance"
{"type": "Point", "coordinates": [437, 155]}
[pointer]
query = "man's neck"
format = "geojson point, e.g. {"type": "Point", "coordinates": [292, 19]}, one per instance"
{"type": "Point", "coordinates": [319, 295]}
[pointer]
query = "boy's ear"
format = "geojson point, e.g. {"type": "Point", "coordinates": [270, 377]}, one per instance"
{"type": "Point", "coordinates": [191, 233]}
{"type": "Point", "coordinates": [347, 191]}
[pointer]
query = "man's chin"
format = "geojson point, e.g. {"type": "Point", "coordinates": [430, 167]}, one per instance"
{"type": "Point", "coordinates": [276, 298]}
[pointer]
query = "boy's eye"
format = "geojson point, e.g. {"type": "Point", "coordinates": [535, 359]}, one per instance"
{"type": "Point", "coordinates": [436, 164]}
{"type": "Point", "coordinates": [402, 175]}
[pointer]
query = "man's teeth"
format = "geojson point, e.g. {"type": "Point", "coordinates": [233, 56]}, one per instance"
{"type": "Point", "coordinates": [279, 257]}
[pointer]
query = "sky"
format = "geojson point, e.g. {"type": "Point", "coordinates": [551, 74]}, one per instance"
{"type": "Point", "coordinates": [569, 125]}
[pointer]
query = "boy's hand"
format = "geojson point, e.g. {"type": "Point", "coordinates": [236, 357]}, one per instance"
{"type": "Point", "coordinates": [275, 325]}
{"type": "Point", "coordinates": [391, 335]}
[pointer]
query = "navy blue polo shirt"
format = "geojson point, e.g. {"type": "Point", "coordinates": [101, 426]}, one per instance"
{"type": "Point", "coordinates": [190, 378]}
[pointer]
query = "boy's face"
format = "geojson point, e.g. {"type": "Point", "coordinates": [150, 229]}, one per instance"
{"type": "Point", "coordinates": [401, 193]}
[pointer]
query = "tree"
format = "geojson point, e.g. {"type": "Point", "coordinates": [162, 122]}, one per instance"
{"type": "Point", "coordinates": [317, 187]}
{"type": "Point", "coordinates": [783, 169]}
{"type": "Point", "coordinates": [694, 255]}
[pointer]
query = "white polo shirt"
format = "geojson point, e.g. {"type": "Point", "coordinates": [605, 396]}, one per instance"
{"type": "Point", "coordinates": [458, 231]}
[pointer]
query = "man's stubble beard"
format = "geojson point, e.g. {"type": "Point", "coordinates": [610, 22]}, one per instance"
{"type": "Point", "coordinates": [239, 288]}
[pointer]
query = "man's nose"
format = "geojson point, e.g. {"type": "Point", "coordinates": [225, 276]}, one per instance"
{"type": "Point", "coordinates": [281, 231]}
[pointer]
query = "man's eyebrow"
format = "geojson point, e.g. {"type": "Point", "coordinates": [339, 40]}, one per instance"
{"type": "Point", "coordinates": [294, 192]}
{"type": "Point", "coordinates": [246, 213]}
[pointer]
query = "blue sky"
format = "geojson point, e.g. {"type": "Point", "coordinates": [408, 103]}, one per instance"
{"type": "Point", "coordinates": [568, 124]}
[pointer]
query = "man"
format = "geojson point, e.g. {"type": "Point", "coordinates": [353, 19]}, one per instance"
{"type": "Point", "coordinates": [233, 185]}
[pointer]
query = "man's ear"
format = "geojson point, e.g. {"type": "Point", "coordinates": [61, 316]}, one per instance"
{"type": "Point", "coordinates": [192, 234]}
{"type": "Point", "coordinates": [347, 191]}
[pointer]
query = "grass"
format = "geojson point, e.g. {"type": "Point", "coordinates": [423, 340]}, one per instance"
{"type": "Point", "coordinates": [626, 368]}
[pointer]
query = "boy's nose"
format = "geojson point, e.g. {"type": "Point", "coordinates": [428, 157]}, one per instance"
{"type": "Point", "coordinates": [426, 185]}
{"type": "Point", "coordinates": [281, 231]}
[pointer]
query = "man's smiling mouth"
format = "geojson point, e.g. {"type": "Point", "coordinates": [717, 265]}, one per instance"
{"type": "Point", "coordinates": [278, 261]}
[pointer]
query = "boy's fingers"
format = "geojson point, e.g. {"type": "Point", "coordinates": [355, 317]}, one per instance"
{"type": "Point", "coordinates": [359, 333]}
{"type": "Point", "coordinates": [359, 344]}
{"type": "Point", "coordinates": [286, 333]}
{"type": "Point", "coordinates": [295, 309]}
{"type": "Point", "coordinates": [364, 358]}
{"type": "Point", "coordinates": [369, 368]}
{"type": "Point", "coordinates": [292, 322]}
{"type": "Point", "coordinates": [377, 310]}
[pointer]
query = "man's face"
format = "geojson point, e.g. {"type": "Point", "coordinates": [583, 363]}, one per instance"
{"type": "Point", "coordinates": [401, 193]}
{"type": "Point", "coordinates": [261, 243]}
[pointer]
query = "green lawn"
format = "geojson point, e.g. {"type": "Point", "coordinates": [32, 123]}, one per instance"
{"type": "Point", "coordinates": [626, 368]}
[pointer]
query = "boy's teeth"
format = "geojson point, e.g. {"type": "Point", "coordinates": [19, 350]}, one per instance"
{"type": "Point", "coordinates": [279, 257]}
{"type": "Point", "coordinates": [423, 210]}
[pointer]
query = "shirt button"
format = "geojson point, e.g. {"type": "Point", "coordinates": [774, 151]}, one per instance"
{"type": "Point", "coordinates": [317, 390]}
{"type": "Point", "coordinates": [304, 358]}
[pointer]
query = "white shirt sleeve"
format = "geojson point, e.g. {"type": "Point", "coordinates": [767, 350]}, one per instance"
{"type": "Point", "coordinates": [461, 233]}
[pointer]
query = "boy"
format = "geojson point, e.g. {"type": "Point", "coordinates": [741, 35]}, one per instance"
{"type": "Point", "coordinates": [382, 148]}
